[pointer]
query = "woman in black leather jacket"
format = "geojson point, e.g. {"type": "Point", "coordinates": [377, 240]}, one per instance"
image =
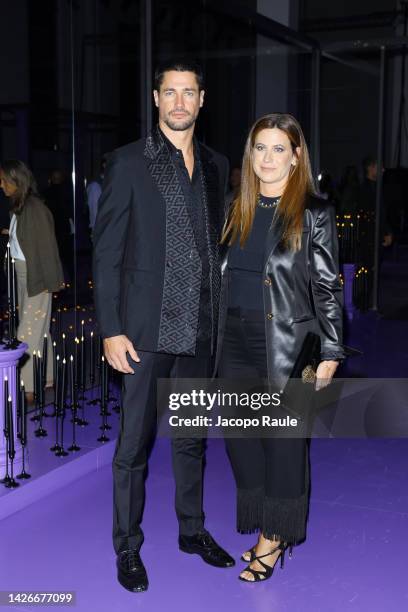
{"type": "Point", "coordinates": [280, 280]}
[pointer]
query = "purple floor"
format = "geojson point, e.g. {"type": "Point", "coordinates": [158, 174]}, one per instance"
{"type": "Point", "coordinates": [354, 557]}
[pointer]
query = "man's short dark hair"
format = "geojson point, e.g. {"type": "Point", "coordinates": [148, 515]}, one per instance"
{"type": "Point", "coordinates": [179, 66]}
{"type": "Point", "coordinates": [368, 161]}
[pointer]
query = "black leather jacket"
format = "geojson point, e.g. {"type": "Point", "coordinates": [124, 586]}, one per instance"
{"type": "Point", "coordinates": [302, 292]}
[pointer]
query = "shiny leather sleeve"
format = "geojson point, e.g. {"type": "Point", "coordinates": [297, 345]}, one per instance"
{"type": "Point", "coordinates": [109, 245]}
{"type": "Point", "coordinates": [326, 286]}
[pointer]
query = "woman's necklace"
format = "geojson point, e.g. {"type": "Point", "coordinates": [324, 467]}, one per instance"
{"type": "Point", "coordinates": [264, 204]}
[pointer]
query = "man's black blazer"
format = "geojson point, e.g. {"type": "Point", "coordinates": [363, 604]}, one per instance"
{"type": "Point", "coordinates": [129, 259]}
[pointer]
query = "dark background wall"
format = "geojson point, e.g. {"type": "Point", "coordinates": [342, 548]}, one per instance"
{"type": "Point", "coordinates": [36, 94]}
{"type": "Point", "coordinates": [349, 96]}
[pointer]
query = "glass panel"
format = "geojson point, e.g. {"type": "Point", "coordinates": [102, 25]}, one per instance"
{"type": "Point", "coordinates": [348, 124]}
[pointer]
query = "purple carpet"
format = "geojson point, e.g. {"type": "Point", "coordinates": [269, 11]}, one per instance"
{"type": "Point", "coordinates": [354, 557]}
{"type": "Point", "coordinates": [57, 534]}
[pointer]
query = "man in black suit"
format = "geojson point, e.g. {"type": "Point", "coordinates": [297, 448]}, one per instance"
{"type": "Point", "coordinates": [157, 282]}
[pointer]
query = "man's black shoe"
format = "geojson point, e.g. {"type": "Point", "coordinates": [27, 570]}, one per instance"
{"type": "Point", "coordinates": [131, 571]}
{"type": "Point", "coordinates": [203, 544]}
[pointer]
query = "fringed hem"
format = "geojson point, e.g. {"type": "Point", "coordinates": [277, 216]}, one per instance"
{"type": "Point", "coordinates": [277, 519]}
{"type": "Point", "coordinates": [250, 509]}
{"type": "Point", "coordinates": [285, 519]}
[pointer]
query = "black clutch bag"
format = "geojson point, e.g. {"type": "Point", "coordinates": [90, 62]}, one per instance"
{"type": "Point", "coordinates": [308, 359]}
{"type": "Point", "coordinates": [294, 396]}
{"type": "Point", "coordinates": [304, 370]}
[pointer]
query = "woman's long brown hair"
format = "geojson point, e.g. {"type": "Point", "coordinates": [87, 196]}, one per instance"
{"type": "Point", "coordinates": [292, 202]}
{"type": "Point", "coordinates": [16, 172]}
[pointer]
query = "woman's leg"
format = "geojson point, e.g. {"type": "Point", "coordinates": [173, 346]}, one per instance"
{"type": "Point", "coordinates": [34, 321]}
{"type": "Point", "coordinates": [285, 484]}
{"type": "Point", "coordinates": [286, 489]}
{"type": "Point", "coordinates": [246, 454]}
{"type": "Point", "coordinates": [285, 505]}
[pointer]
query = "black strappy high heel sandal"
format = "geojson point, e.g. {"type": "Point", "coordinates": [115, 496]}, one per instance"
{"type": "Point", "coordinates": [259, 575]}
{"type": "Point", "coordinates": [251, 553]}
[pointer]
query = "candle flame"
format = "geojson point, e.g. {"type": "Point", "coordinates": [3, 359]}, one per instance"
{"type": "Point", "coordinates": [63, 335]}
{"type": "Point", "coordinates": [9, 398]}
{"type": "Point", "coordinates": [64, 361]}
{"type": "Point", "coordinates": [71, 358]}
{"type": "Point", "coordinates": [5, 378]}
{"type": "Point", "coordinates": [57, 357]}
{"type": "Point", "coordinates": [91, 334]}
{"type": "Point", "coordinates": [22, 383]}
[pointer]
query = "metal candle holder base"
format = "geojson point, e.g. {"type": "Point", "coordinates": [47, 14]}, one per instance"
{"type": "Point", "coordinates": [23, 475]}
{"type": "Point", "coordinates": [74, 448]}
{"type": "Point", "coordinates": [103, 438]}
{"type": "Point", "coordinates": [41, 433]}
{"type": "Point", "coordinates": [12, 484]}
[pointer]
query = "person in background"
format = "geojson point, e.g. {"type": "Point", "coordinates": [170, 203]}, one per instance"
{"type": "Point", "coordinates": [367, 206]}
{"type": "Point", "coordinates": [4, 224]}
{"type": "Point", "coordinates": [93, 193]}
{"type": "Point", "coordinates": [38, 267]}
{"type": "Point", "coordinates": [58, 198]}
{"type": "Point", "coordinates": [349, 190]}
{"type": "Point", "coordinates": [327, 189]}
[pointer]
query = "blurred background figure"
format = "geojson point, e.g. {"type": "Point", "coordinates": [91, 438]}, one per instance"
{"type": "Point", "coordinates": [93, 193]}
{"type": "Point", "coordinates": [4, 224]}
{"type": "Point", "coordinates": [349, 190]}
{"type": "Point", "coordinates": [38, 267]}
{"type": "Point", "coordinates": [327, 189]}
{"type": "Point", "coordinates": [367, 207]}
{"type": "Point", "coordinates": [58, 198]}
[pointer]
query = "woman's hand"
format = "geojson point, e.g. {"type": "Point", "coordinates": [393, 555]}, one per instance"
{"type": "Point", "coordinates": [5, 231]}
{"type": "Point", "coordinates": [324, 373]}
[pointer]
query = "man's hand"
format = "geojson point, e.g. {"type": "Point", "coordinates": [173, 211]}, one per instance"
{"type": "Point", "coordinates": [115, 349]}
{"type": "Point", "coordinates": [324, 373]}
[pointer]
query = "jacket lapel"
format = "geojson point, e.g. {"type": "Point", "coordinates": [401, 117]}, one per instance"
{"type": "Point", "coordinates": [161, 168]}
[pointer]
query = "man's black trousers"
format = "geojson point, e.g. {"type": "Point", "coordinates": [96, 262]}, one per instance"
{"type": "Point", "coordinates": [137, 426]}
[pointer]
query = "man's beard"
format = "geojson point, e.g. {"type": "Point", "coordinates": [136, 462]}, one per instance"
{"type": "Point", "coordinates": [180, 127]}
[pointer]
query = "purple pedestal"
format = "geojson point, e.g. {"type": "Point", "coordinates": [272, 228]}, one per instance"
{"type": "Point", "coordinates": [9, 359]}
{"type": "Point", "coordinates": [349, 272]}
